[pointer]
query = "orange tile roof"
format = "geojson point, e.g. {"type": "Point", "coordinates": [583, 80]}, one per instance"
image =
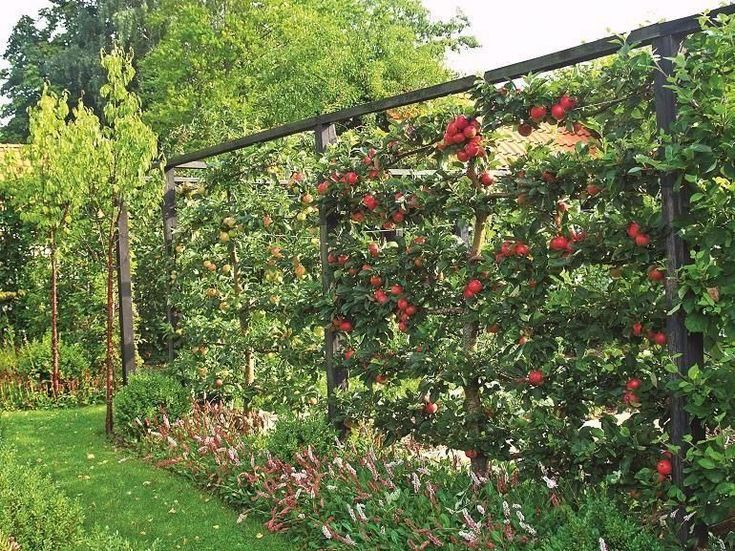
{"type": "Point", "coordinates": [511, 145]}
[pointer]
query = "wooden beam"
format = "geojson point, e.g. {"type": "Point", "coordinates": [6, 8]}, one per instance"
{"type": "Point", "coordinates": [556, 60]}
{"type": "Point", "coordinates": [193, 165]}
{"type": "Point", "coordinates": [337, 378]}
{"type": "Point", "coordinates": [125, 297]}
{"type": "Point", "coordinates": [686, 349]}
{"type": "Point", "coordinates": [169, 223]}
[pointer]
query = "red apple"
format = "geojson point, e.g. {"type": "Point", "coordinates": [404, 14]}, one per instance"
{"type": "Point", "coordinates": [411, 310]}
{"type": "Point", "coordinates": [535, 377]}
{"type": "Point", "coordinates": [654, 274]}
{"type": "Point", "coordinates": [633, 384]}
{"type": "Point", "coordinates": [471, 454]}
{"type": "Point", "coordinates": [376, 281]}
{"type": "Point", "coordinates": [521, 249]}
{"type": "Point", "coordinates": [349, 353]}
{"type": "Point", "coordinates": [351, 178]}
{"type": "Point", "coordinates": [431, 408]}
{"type": "Point", "coordinates": [633, 230]}
{"type": "Point", "coordinates": [567, 103]}
{"type": "Point", "coordinates": [664, 467]}
{"type": "Point", "coordinates": [548, 176]}
{"type": "Point", "coordinates": [381, 379]}
{"type": "Point", "coordinates": [323, 187]}
{"type": "Point", "coordinates": [558, 111]}
{"type": "Point", "coordinates": [345, 326]}
{"type": "Point", "coordinates": [593, 189]}
{"type": "Point", "coordinates": [637, 329]}
{"type": "Point", "coordinates": [659, 338]}
{"type": "Point", "coordinates": [525, 129]}
{"type": "Point", "coordinates": [402, 304]}
{"type": "Point", "coordinates": [559, 243]}
{"type": "Point", "coordinates": [642, 240]}
{"type": "Point", "coordinates": [396, 289]}
{"type": "Point", "coordinates": [538, 113]}
{"type": "Point", "coordinates": [486, 179]}
{"type": "Point", "coordinates": [474, 285]}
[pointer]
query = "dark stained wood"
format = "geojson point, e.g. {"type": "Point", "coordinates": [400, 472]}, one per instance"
{"type": "Point", "coordinates": [686, 349]}
{"type": "Point", "coordinates": [125, 297]}
{"type": "Point", "coordinates": [169, 223]}
{"type": "Point", "coordinates": [337, 378]}
{"type": "Point", "coordinates": [564, 58]}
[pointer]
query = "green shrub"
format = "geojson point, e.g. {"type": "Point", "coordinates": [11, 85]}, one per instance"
{"type": "Point", "coordinates": [598, 517]}
{"type": "Point", "coordinates": [144, 400]}
{"type": "Point", "coordinates": [34, 360]}
{"type": "Point", "coordinates": [293, 434]}
{"type": "Point", "coordinates": [34, 511]}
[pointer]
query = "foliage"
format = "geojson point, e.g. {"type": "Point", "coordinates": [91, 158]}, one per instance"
{"type": "Point", "coordinates": [293, 435]}
{"type": "Point", "coordinates": [61, 47]}
{"type": "Point", "coordinates": [381, 499]}
{"type": "Point", "coordinates": [33, 510]}
{"type": "Point", "coordinates": [145, 399]}
{"type": "Point", "coordinates": [194, 79]}
{"type": "Point", "coordinates": [34, 361]}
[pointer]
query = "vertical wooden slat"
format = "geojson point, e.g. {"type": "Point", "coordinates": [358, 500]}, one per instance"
{"type": "Point", "coordinates": [169, 223]}
{"type": "Point", "coordinates": [685, 348]}
{"type": "Point", "coordinates": [125, 297]}
{"type": "Point", "coordinates": [336, 377]}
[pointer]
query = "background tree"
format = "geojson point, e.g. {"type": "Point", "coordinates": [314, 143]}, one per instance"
{"type": "Point", "coordinates": [44, 182]}
{"type": "Point", "coordinates": [125, 151]}
{"type": "Point", "coordinates": [62, 48]}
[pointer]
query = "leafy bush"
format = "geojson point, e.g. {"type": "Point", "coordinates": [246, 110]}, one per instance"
{"type": "Point", "coordinates": [294, 434]}
{"type": "Point", "coordinates": [599, 519]}
{"type": "Point", "coordinates": [144, 401]}
{"type": "Point", "coordinates": [34, 511]}
{"type": "Point", "coordinates": [34, 360]}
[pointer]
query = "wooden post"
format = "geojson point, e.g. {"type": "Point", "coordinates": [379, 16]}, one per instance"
{"type": "Point", "coordinates": [169, 223]}
{"type": "Point", "coordinates": [336, 377]}
{"type": "Point", "coordinates": [686, 348]}
{"type": "Point", "coordinates": [125, 297]}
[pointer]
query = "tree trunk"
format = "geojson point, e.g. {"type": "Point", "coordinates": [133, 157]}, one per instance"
{"type": "Point", "coordinates": [109, 352]}
{"type": "Point", "coordinates": [243, 315]}
{"type": "Point", "coordinates": [472, 402]}
{"type": "Point", "coordinates": [55, 371]}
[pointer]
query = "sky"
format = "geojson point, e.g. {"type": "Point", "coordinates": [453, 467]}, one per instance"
{"type": "Point", "coordinates": [508, 31]}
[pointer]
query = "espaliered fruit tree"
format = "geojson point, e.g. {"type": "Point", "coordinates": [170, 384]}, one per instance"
{"type": "Point", "coordinates": [509, 311]}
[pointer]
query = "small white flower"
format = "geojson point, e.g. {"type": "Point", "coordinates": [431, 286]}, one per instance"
{"type": "Point", "coordinates": [603, 545]}
{"type": "Point", "coordinates": [481, 509]}
{"type": "Point", "coordinates": [550, 482]}
{"type": "Point", "coordinates": [467, 535]}
{"type": "Point", "coordinates": [327, 533]}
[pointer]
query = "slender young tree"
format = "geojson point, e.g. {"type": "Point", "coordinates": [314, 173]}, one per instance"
{"type": "Point", "coordinates": [126, 150]}
{"type": "Point", "coordinates": [44, 181]}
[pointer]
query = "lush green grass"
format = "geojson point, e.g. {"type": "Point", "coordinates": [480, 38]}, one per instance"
{"type": "Point", "coordinates": [144, 504]}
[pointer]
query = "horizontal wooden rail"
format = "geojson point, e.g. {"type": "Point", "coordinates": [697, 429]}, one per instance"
{"type": "Point", "coordinates": [563, 58]}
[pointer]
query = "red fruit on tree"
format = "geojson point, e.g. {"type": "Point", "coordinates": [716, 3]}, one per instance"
{"type": "Point", "coordinates": [351, 178]}
{"type": "Point", "coordinates": [538, 113]}
{"type": "Point", "coordinates": [381, 296]}
{"type": "Point", "coordinates": [411, 310]}
{"type": "Point", "coordinates": [522, 340]}
{"type": "Point", "coordinates": [659, 338]}
{"type": "Point", "coordinates": [349, 353]}
{"type": "Point", "coordinates": [593, 189]}
{"type": "Point", "coordinates": [493, 329]}
{"type": "Point", "coordinates": [402, 304]}
{"type": "Point", "coordinates": [521, 249]}
{"type": "Point", "coordinates": [431, 408]}
{"type": "Point", "coordinates": [654, 274]}
{"type": "Point", "coordinates": [637, 329]}
{"type": "Point", "coordinates": [558, 111]}
{"type": "Point", "coordinates": [568, 103]}
{"type": "Point", "coordinates": [345, 326]}
{"type": "Point", "coordinates": [342, 259]}
{"type": "Point", "coordinates": [323, 187]}
{"type": "Point", "coordinates": [470, 132]}
{"type": "Point", "coordinates": [468, 294]}
{"type": "Point", "coordinates": [373, 249]}
{"type": "Point", "coordinates": [474, 285]}
{"type": "Point", "coordinates": [462, 156]}
{"type": "Point", "coordinates": [219, 383]}
{"type": "Point", "coordinates": [642, 240]}
{"type": "Point", "coordinates": [486, 179]}
{"type": "Point", "coordinates": [381, 379]}
{"type": "Point", "coordinates": [370, 202]}
{"type": "Point", "coordinates": [525, 129]}
{"type": "Point", "coordinates": [403, 327]}
{"type": "Point", "coordinates": [357, 216]}
{"type": "Point", "coordinates": [458, 138]}
{"type": "Point", "coordinates": [633, 230]}
{"type": "Point", "coordinates": [396, 289]}
{"type": "Point", "coordinates": [631, 399]}
{"type": "Point", "coordinates": [633, 384]}
{"type": "Point", "coordinates": [559, 243]}
{"type": "Point", "coordinates": [664, 467]}
{"type": "Point", "coordinates": [471, 454]}
{"type": "Point", "coordinates": [535, 377]}
{"type": "Point", "coordinates": [548, 176]}
{"type": "Point", "coordinates": [376, 281]}
{"type": "Point", "coordinates": [398, 217]}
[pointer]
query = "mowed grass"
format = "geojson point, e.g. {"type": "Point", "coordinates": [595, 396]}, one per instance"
{"type": "Point", "coordinates": [146, 505]}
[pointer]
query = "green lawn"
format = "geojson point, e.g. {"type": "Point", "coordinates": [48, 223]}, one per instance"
{"type": "Point", "coordinates": [144, 504]}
